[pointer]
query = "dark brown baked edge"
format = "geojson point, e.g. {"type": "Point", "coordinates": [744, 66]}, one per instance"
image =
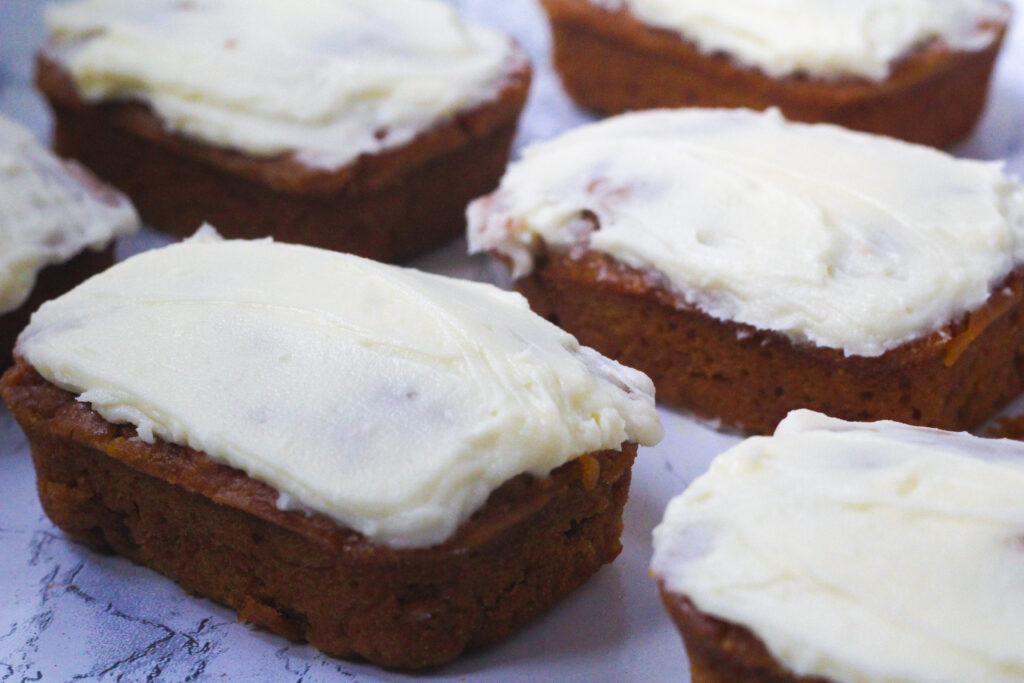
{"type": "Point", "coordinates": [386, 206]}
{"type": "Point", "coordinates": [611, 62]}
{"type": "Point", "coordinates": [749, 379]}
{"type": "Point", "coordinates": [51, 282]}
{"type": "Point", "coordinates": [219, 534]}
{"type": "Point", "coordinates": [722, 651]}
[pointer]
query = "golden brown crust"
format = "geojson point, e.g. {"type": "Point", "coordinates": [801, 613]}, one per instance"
{"type": "Point", "coordinates": [385, 206]}
{"type": "Point", "coordinates": [611, 62]}
{"type": "Point", "coordinates": [51, 282]}
{"type": "Point", "coordinates": [723, 652]}
{"type": "Point", "coordinates": [220, 534]}
{"type": "Point", "coordinates": [750, 379]}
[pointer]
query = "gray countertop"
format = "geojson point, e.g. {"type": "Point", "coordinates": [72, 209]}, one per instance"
{"type": "Point", "coordinates": [67, 613]}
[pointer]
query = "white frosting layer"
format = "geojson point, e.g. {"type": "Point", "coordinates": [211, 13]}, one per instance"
{"type": "Point", "coordinates": [323, 79]}
{"type": "Point", "coordinates": [844, 239]}
{"type": "Point", "coordinates": [822, 37]}
{"type": "Point", "coordinates": [860, 551]}
{"type": "Point", "coordinates": [49, 212]}
{"type": "Point", "coordinates": [392, 400]}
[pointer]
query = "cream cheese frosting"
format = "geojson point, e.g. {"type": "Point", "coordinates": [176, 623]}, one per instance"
{"type": "Point", "coordinates": [50, 211]}
{"type": "Point", "coordinates": [321, 79]}
{"type": "Point", "coordinates": [842, 239]}
{"type": "Point", "coordinates": [391, 400]}
{"type": "Point", "coordinates": [860, 551]}
{"type": "Point", "coordinates": [827, 38]}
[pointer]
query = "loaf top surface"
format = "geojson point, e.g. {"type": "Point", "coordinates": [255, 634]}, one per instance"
{"type": "Point", "coordinates": [320, 79]}
{"type": "Point", "coordinates": [824, 38]}
{"type": "Point", "coordinates": [50, 210]}
{"type": "Point", "coordinates": [391, 400]}
{"type": "Point", "coordinates": [842, 239]}
{"type": "Point", "coordinates": [860, 551]}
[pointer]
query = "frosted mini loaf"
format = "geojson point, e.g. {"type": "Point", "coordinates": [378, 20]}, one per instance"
{"type": "Point", "coordinates": [49, 212]}
{"type": "Point", "coordinates": [388, 464]}
{"type": "Point", "coordinates": [822, 37]}
{"type": "Point", "coordinates": [842, 239]}
{"type": "Point", "coordinates": [751, 266]}
{"type": "Point", "coordinates": [391, 400]}
{"type": "Point", "coordinates": [918, 70]}
{"type": "Point", "coordinates": [857, 551]}
{"type": "Point", "coordinates": [359, 126]}
{"type": "Point", "coordinates": [324, 80]}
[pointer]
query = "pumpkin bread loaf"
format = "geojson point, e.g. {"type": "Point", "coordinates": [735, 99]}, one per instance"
{"type": "Point", "coordinates": [361, 126]}
{"type": "Point", "coordinates": [751, 266]}
{"type": "Point", "coordinates": [841, 551]}
{"type": "Point", "coordinates": [389, 464]}
{"type": "Point", "coordinates": [58, 225]}
{"type": "Point", "coordinates": [919, 71]}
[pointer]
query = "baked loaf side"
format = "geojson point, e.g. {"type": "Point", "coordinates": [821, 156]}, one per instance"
{"type": "Point", "coordinates": [932, 92]}
{"type": "Point", "coordinates": [723, 652]}
{"type": "Point", "coordinates": [360, 137]}
{"type": "Point", "coordinates": [398, 473]}
{"type": "Point", "coordinates": [823, 553]}
{"type": "Point", "coordinates": [221, 534]}
{"type": "Point", "coordinates": [749, 379]}
{"type": "Point", "coordinates": [752, 265]}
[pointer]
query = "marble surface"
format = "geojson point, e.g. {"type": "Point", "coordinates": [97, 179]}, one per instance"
{"type": "Point", "coordinates": [67, 613]}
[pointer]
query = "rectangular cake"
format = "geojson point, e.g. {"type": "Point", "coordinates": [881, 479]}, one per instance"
{"type": "Point", "coordinates": [362, 127]}
{"type": "Point", "coordinates": [413, 469]}
{"type": "Point", "coordinates": [752, 266]}
{"type": "Point", "coordinates": [834, 551]}
{"type": "Point", "coordinates": [913, 70]}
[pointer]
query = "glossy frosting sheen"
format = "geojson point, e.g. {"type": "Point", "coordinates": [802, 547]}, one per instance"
{"type": "Point", "coordinates": [821, 37]}
{"type": "Point", "coordinates": [391, 400]}
{"type": "Point", "coordinates": [843, 239]}
{"type": "Point", "coordinates": [323, 79]}
{"type": "Point", "coordinates": [860, 551]}
{"type": "Point", "coordinates": [49, 213]}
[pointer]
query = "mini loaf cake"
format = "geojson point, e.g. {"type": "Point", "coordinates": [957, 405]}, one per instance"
{"type": "Point", "coordinates": [751, 266]}
{"type": "Point", "coordinates": [58, 225]}
{"type": "Point", "coordinates": [386, 463]}
{"type": "Point", "coordinates": [360, 126]}
{"type": "Point", "coordinates": [839, 551]}
{"type": "Point", "coordinates": [913, 69]}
